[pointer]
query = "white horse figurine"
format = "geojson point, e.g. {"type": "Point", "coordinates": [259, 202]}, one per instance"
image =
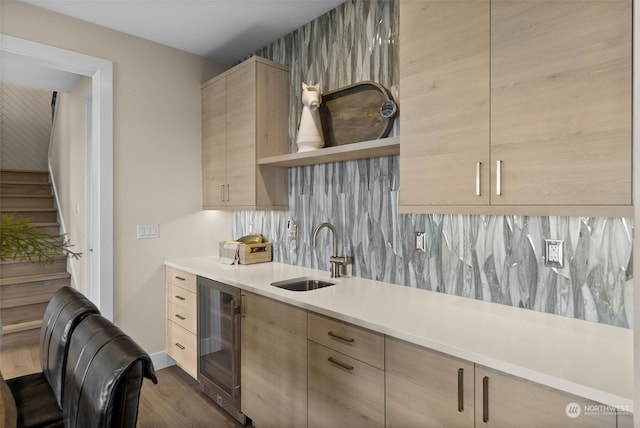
{"type": "Point", "coordinates": [310, 131]}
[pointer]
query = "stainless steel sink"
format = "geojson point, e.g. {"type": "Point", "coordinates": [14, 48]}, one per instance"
{"type": "Point", "coordinates": [302, 284]}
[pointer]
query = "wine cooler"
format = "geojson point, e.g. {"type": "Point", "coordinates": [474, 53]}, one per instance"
{"type": "Point", "coordinates": [219, 344]}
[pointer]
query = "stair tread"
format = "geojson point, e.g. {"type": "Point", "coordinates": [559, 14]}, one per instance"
{"type": "Point", "coordinates": [34, 278]}
{"type": "Point", "coordinates": [30, 171]}
{"type": "Point", "coordinates": [28, 209]}
{"type": "Point", "coordinates": [37, 183]}
{"type": "Point", "coordinates": [13, 261]}
{"type": "Point", "coordinates": [26, 195]}
{"type": "Point", "coordinates": [21, 326]}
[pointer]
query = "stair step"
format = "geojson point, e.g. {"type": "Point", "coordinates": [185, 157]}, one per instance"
{"type": "Point", "coordinates": [26, 201]}
{"type": "Point", "coordinates": [14, 341]}
{"type": "Point", "coordinates": [52, 227]}
{"type": "Point", "coordinates": [36, 215]}
{"type": "Point", "coordinates": [13, 268]}
{"type": "Point", "coordinates": [27, 290]}
{"type": "Point", "coordinates": [32, 176]}
{"type": "Point", "coordinates": [18, 327]}
{"type": "Point", "coordinates": [21, 188]}
{"type": "Point", "coordinates": [22, 315]}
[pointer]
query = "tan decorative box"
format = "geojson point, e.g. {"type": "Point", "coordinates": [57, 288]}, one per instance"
{"type": "Point", "coordinates": [252, 253]}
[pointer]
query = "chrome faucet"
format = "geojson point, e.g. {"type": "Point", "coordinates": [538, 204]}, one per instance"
{"type": "Point", "coordinates": [338, 263]}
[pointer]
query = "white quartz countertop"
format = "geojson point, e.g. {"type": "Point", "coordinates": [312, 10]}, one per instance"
{"type": "Point", "coordinates": [588, 359]}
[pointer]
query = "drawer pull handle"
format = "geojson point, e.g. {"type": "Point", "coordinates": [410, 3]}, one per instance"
{"type": "Point", "coordinates": [336, 336]}
{"type": "Point", "coordinates": [461, 390]}
{"type": "Point", "coordinates": [180, 298]}
{"type": "Point", "coordinates": [181, 278]}
{"type": "Point", "coordinates": [340, 363]}
{"type": "Point", "coordinates": [180, 346]}
{"type": "Point", "coordinates": [180, 317]}
{"type": "Point", "coordinates": [485, 399]}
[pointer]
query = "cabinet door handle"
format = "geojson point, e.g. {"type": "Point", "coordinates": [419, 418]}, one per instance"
{"type": "Point", "coordinates": [222, 192]}
{"type": "Point", "coordinates": [228, 193]}
{"type": "Point", "coordinates": [460, 390]}
{"type": "Point", "coordinates": [340, 363]}
{"type": "Point", "coordinates": [180, 298]}
{"type": "Point", "coordinates": [180, 317]}
{"type": "Point", "coordinates": [498, 177]}
{"type": "Point", "coordinates": [485, 399]}
{"type": "Point", "coordinates": [243, 305]}
{"type": "Point", "coordinates": [180, 346]}
{"type": "Point", "coordinates": [337, 336]}
{"type": "Point", "coordinates": [478, 165]}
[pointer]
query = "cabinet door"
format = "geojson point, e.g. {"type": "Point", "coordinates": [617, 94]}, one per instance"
{"type": "Point", "coordinates": [444, 98]}
{"type": "Point", "coordinates": [241, 136]}
{"type": "Point", "coordinates": [426, 388]}
{"type": "Point", "coordinates": [273, 363]}
{"type": "Point", "coordinates": [561, 102]}
{"type": "Point", "coordinates": [507, 401]}
{"type": "Point", "coordinates": [343, 391]}
{"type": "Point", "coordinates": [214, 144]}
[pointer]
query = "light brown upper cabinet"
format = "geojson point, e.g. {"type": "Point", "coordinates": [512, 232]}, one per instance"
{"type": "Point", "coordinates": [444, 100]}
{"type": "Point", "coordinates": [245, 116]}
{"type": "Point", "coordinates": [519, 107]}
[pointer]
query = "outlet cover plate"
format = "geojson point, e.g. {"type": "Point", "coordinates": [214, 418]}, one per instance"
{"type": "Point", "coordinates": [421, 242]}
{"type": "Point", "coordinates": [554, 253]}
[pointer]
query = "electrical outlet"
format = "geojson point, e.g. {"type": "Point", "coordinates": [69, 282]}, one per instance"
{"type": "Point", "coordinates": [554, 253]}
{"type": "Point", "coordinates": [421, 242]}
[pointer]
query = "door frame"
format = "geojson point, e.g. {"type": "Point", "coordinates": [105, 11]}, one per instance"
{"type": "Point", "coordinates": [101, 73]}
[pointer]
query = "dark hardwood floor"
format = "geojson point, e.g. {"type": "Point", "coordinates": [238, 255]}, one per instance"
{"type": "Point", "coordinates": [175, 402]}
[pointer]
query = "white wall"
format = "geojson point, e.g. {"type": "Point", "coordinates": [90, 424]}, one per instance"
{"type": "Point", "coordinates": [25, 115]}
{"type": "Point", "coordinates": [67, 159]}
{"type": "Point", "coordinates": [156, 158]}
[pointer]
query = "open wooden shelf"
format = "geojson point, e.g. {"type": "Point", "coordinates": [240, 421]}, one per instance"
{"type": "Point", "coordinates": [366, 149]}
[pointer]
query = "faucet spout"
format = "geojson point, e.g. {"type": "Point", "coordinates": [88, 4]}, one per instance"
{"type": "Point", "coordinates": [338, 263]}
{"type": "Point", "coordinates": [335, 236]}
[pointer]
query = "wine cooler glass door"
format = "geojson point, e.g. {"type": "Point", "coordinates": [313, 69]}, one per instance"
{"type": "Point", "coordinates": [217, 338]}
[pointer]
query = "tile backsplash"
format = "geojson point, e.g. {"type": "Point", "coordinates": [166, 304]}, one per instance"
{"type": "Point", "coordinates": [491, 258]}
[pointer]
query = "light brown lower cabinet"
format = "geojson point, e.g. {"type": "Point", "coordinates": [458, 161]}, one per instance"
{"type": "Point", "coordinates": [302, 370]}
{"type": "Point", "coordinates": [273, 363]}
{"type": "Point", "coordinates": [182, 342]}
{"type": "Point", "coordinates": [425, 388]}
{"type": "Point", "coordinates": [505, 401]}
{"type": "Point", "coordinates": [343, 391]}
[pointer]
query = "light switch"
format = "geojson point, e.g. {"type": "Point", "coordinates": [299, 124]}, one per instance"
{"type": "Point", "coordinates": [148, 231]}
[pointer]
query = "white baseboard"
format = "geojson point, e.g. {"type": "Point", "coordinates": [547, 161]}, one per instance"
{"type": "Point", "coordinates": [161, 360]}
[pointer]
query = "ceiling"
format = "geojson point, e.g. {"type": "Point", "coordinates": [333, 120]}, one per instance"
{"type": "Point", "coordinates": [225, 31]}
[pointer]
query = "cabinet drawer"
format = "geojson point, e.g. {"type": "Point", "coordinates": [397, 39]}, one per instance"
{"type": "Point", "coordinates": [181, 298]}
{"type": "Point", "coordinates": [182, 279]}
{"type": "Point", "coordinates": [182, 316]}
{"type": "Point", "coordinates": [182, 347]}
{"type": "Point", "coordinates": [356, 342]}
{"type": "Point", "coordinates": [343, 391]}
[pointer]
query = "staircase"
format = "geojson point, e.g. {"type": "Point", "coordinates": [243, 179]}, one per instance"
{"type": "Point", "coordinates": [26, 288]}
